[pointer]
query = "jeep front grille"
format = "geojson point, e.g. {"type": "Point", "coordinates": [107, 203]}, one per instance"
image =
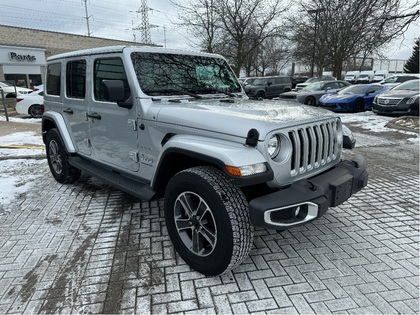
{"type": "Point", "coordinates": [313, 146]}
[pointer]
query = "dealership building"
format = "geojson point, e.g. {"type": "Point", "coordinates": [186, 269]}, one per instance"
{"type": "Point", "coordinates": [23, 52]}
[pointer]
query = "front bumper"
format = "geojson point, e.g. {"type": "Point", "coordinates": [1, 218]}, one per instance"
{"type": "Point", "coordinates": [309, 199]}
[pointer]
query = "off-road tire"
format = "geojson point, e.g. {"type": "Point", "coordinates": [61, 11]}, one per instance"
{"type": "Point", "coordinates": [224, 218]}
{"type": "Point", "coordinates": [57, 157]}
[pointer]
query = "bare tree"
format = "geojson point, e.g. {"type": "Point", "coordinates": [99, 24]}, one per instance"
{"type": "Point", "coordinates": [234, 28]}
{"type": "Point", "coordinates": [348, 29]}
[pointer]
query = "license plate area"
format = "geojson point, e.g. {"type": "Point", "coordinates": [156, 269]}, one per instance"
{"type": "Point", "coordinates": [341, 189]}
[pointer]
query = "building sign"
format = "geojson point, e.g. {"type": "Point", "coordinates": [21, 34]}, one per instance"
{"type": "Point", "coordinates": [17, 57]}
{"type": "Point", "coordinates": [21, 56]}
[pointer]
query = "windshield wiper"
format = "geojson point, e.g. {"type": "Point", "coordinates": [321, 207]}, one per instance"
{"type": "Point", "coordinates": [222, 92]}
{"type": "Point", "coordinates": [174, 92]}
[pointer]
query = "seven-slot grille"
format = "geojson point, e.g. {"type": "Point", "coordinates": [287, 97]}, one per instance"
{"type": "Point", "coordinates": [313, 146]}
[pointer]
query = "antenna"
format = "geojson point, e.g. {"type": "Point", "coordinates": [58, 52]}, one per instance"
{"type": "Point", "coordinates": [87, 18]}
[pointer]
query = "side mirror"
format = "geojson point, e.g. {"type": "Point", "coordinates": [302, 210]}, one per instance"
{"type": "Point", "coordinates": [113, 91]}
{"type": "Point", "coordinates": [269, 83]}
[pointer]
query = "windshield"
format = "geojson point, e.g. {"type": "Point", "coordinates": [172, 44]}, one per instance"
{"type": "Point", "coordinates": [316, 86]}
{"type": "Point", "coordinates": [353, 89]}
{"type": "Point", "coordinates": [412, 85]}
{"type": "Point", "coordinates": [173, 74]}
{"type": "Point", "coordinates": [363, 76]}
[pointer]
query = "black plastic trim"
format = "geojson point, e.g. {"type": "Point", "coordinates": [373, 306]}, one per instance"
{"type": "Point", "coordinates": [328, 189]}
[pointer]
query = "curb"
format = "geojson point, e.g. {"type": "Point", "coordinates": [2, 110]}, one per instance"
{"type": "Point", "coordinates": [23, 157]}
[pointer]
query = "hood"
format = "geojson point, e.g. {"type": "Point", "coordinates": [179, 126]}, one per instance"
{"type": "Point", "coordinates": [238, 117]}
{"type": "Point", "coordinates": [337, 97]}
{"type": "Point", "coordinates": [399, 93]}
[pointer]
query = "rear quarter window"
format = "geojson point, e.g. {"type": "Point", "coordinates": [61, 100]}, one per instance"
{"type": "Point", "coordinates": [53, 82]}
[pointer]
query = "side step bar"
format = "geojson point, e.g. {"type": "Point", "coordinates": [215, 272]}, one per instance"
{"type": "Point", "coordinates": [133, 187]}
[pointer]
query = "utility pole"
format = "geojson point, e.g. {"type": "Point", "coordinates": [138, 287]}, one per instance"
{"type": "Point", "coordinates": [145, 26]}
{"type": "Point", "coordinates": [87, 18]}
{"type": "Point", "coordinates": [316, 11]}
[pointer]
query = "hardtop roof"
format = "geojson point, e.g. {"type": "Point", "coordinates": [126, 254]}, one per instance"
{"type": "Point", "coordinates": [120, 49]}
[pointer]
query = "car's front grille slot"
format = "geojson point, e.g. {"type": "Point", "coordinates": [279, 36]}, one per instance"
{"type": "Point", "coordinates": [388, 101]}
{"type": "Point", "coordinates": [313, 146]}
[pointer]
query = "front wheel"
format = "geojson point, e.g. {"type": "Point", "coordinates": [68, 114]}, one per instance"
{"type": "Point", "coordinates": [57, 157]}
{"type": "Point", "coordinates": [208, 220]}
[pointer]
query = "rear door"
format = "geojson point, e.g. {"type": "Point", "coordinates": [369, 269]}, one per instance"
{"type": "Point", "coordinates": [113, 129]}
{"type": "Point", "coordinates": [75, 104]}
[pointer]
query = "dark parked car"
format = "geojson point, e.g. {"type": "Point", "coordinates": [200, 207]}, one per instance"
{"type": "Point", "coordinates": [311, 94]}
{"type": "Point", "coordinates": [269, 87]}
{"type": "Point", "coordinates": [298, 80]}
{"type": "Point", "coordinates": [354, 98]}
{"type": "Point", "coordinates": [402, 99]}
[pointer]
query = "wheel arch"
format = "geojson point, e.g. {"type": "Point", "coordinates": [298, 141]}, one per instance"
{"type": "Point", "coordinates": [181, 153]}
{"type": "Point", "coordinates": [52, 120]}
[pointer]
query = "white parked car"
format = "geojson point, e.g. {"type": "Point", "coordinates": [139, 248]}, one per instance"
{"type": "Point", "coordinates": [9, 90]}
{"type": "Point", "coordinates": [31, 104]}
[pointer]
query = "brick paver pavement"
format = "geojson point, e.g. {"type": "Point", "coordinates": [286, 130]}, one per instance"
{"type": "Point", "coordinates": [88, 248]}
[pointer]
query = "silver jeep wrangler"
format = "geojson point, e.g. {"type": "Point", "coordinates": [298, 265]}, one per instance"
{"type": "Point", "coordinates": [159, 123]}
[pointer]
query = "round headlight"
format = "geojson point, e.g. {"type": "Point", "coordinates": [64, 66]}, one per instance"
{"type": "Point", "coordinates": [273, 148]}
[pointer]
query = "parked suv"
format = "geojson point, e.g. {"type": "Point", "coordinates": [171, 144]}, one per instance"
{"type": "Point", "coordinates": [175, 124]}
{"type": "Point", "coordinates": [269, 87]}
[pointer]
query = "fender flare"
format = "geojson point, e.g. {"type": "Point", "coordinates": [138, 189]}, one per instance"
{"type": "Point", "coordinates": [217, 152]}
{"type": "Point", "coordinates": [58, 121]}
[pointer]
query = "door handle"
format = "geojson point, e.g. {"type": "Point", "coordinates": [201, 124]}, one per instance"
{"type": "Point", "coordinates": [94, 116]}
{"type": "Point", "coordinates": [68, 111]}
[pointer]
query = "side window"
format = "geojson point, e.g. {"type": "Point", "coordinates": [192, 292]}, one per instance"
{"type": "Point", "coordinates": [53, 82]}
{"type": "Point", "coordinates": [108, 69]}
{"type": "Point", "coordinates": [76, 79]}
{"type": "Point", "coordinates": [374, 89]}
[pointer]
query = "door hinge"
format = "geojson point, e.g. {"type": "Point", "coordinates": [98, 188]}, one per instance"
{"type": "Point", "coordinates": [132, 123]}
{"type": "Point", "coordinates": [134, 155]}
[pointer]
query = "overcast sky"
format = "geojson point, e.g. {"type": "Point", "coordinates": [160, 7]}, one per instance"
{"type": "Point", "coordinates": [116, 19]}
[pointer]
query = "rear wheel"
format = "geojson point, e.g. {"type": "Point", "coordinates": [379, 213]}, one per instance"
{"type": "Point", "coordinates": [35, 111]}
{"type": "Point", "coordinates": [208, 220]}
{"type": "Point", "coordinates": [310, 100]}
{"type": "Point", "coordinates": [359, 106]}
{"type": "Point", "coordinates": [57, 157]}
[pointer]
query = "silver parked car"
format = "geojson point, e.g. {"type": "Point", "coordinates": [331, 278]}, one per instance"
{"type": "Point", "coordinates": [311, 94]}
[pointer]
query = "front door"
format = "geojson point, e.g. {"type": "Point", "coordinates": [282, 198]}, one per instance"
{"type": "Point", "coordinates": [113, 129]}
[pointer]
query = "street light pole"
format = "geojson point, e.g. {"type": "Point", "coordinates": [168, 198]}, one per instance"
{"type": "Point", "coordinates": [316, 11]}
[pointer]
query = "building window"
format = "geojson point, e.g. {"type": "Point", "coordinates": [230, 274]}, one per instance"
{"type": "Point", "coordinates": [16, 79]}
{"type": "Point", "coordinates": [76, 79]}
{"type": "Point", "coordinates": [53, 79]}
